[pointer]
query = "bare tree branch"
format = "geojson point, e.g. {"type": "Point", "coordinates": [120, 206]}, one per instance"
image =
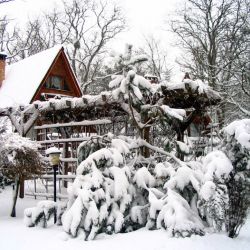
{"type": "Point", "coordinates": [215, 37]}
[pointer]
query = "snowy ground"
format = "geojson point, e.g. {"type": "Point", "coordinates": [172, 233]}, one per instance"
{"type": "Point", "coordinates": [15, 236]}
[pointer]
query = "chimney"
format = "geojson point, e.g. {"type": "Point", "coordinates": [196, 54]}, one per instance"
{"type": "Point", "coordinates": [2, 67]}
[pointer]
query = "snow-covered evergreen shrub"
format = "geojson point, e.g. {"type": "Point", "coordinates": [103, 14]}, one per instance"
{"type": "Point", "coordinates": [177, 214]}
{"type": "Point", "coordinates": [213, 195]}
{"type": "Point", "coordinates": [237, 147]}
{"type": "Point", "coordinates": [101, 193]}
{"type": "Point", "coordinates": [115, 191]}
{"type": "Point", "coordinates": [88, 147]}
{"type": "Point", "coordinates": [213, 204]}
{"type": "Point", "coordinates": [224, 194]}
{"type": "Point", "coordinates": [41, 214]}
{"type": "Point", "coordinates": [61, 208]}
{"type": "Point", "coordinates": [182, 148]}
{"type": "Point", "coordinates": [2, 181]}
{"type": "Point", "coordinates": [3, 129]}
{"type": "Point", "coordinates": [178, 218]}
{"type": "Point", "coordinates": [19, 160]}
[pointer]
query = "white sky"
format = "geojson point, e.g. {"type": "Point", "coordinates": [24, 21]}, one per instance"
{"type": "Point", "coordinates": [144, 17]}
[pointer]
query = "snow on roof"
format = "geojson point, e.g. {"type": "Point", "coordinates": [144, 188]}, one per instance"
{"type": "Point", "coordinates": [194, 85]}
{"type": "Point", "coordinates": [24, 77]}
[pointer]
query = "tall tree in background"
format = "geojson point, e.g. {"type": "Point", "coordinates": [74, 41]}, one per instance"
{"type": "Point", "coordinates": [92, 26]}
{"type": "Point", "coordinates": [157, 58]}
{"type": "Point", "coordinates": [215, 37]}
{"type": "Point", "coordinates": [7, 35]}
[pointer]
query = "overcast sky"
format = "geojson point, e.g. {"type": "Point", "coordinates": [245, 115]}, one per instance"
{"type": "Point", "coordinates": [143, 16]}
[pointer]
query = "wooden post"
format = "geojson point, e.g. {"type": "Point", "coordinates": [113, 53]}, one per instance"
{"type": "Point", "coordinates": [55, 168]}
{"type": "Point", "coordinates": [66, 166]}
{"type": "Point", "coordinates": [21, 191]}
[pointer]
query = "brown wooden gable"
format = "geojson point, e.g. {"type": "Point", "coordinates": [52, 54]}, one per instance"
{"type": "Point", "coordinates": [59, 68]}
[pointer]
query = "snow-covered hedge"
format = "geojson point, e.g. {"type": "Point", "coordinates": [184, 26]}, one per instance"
{"type": "Point", "coordinates": [115, 192]}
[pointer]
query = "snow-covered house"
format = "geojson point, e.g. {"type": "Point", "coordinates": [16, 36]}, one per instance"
{"type": "Point", "coordinates": [39, 77]}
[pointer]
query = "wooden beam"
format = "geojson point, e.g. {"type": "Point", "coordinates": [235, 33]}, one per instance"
{"type": "Point", "coordinates": [31, 121]}
{"type": "Point", "coordinates": [65, 140]}
{"type": "Point", "coordinates": [15, 123]}
{"type": "Point", "coordinates": [75, 124]}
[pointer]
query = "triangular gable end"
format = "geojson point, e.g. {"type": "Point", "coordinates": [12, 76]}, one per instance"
{"type": "Point", "coordinates": [59, 80]}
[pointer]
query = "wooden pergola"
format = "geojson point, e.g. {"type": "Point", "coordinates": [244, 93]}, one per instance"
{"type": "Point", "coordinates": [67, 122]}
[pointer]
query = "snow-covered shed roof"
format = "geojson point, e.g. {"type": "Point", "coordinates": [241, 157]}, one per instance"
{"type": "Point", "coordinates": [24, 77]}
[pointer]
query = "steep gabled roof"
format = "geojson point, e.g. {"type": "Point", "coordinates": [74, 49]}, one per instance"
{"type": "Point", "coordinates": [22, 79]}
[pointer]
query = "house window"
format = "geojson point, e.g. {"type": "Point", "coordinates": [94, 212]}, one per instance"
{"type": "Point", "coordinates": [57, 82]}
{"type": "Point", "coordinates": [66, 86]}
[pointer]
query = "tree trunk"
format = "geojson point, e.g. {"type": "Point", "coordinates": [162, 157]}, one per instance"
{"type": "Point", "coordinates": [146, 136]}
{"type": "Point", "coordinates": [21, 193]}
{"type": "Point", "coordinates": [180, 137]}
{"type": "Point", "coordinates": [141, 136]}
{"type": "Point", "coordinates": [13, 212]}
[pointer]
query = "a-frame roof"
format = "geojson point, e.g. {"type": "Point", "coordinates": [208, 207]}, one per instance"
{"type": "Point", "coordinates": [22, 79]}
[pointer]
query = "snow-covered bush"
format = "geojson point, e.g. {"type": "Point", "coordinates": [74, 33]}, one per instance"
{"type": "Point", "coordinates": [88, 147]}
{"type": "Point", "coordinates": [177, 216]}
{"type": "Point", "coordinates": [115, 191]}
{"type": "Point", "coordinates": [213, 195]}
{"type": "Point", "coordinates": [19, 160]}
{"type": "Point", "coordinates": [118, 190]}
{"type": "Point", "coordinates": [101, 193]}
{"type": "Point", "coordinates": [2, 181]}
{"type": "Point", "coordinates": [224, 194]}
{"type": "Point", "coordinates": [41, 214]}
{"type": "Point", "coordinates": [178, 212]}
{"type": "Point", "coordinates": [237, 147]}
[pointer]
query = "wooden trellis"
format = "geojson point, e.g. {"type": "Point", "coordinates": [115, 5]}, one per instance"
{"type": "Point", "coordinates": [67, 122]}
{"type": "Point", "coordinates": [67, 137]}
